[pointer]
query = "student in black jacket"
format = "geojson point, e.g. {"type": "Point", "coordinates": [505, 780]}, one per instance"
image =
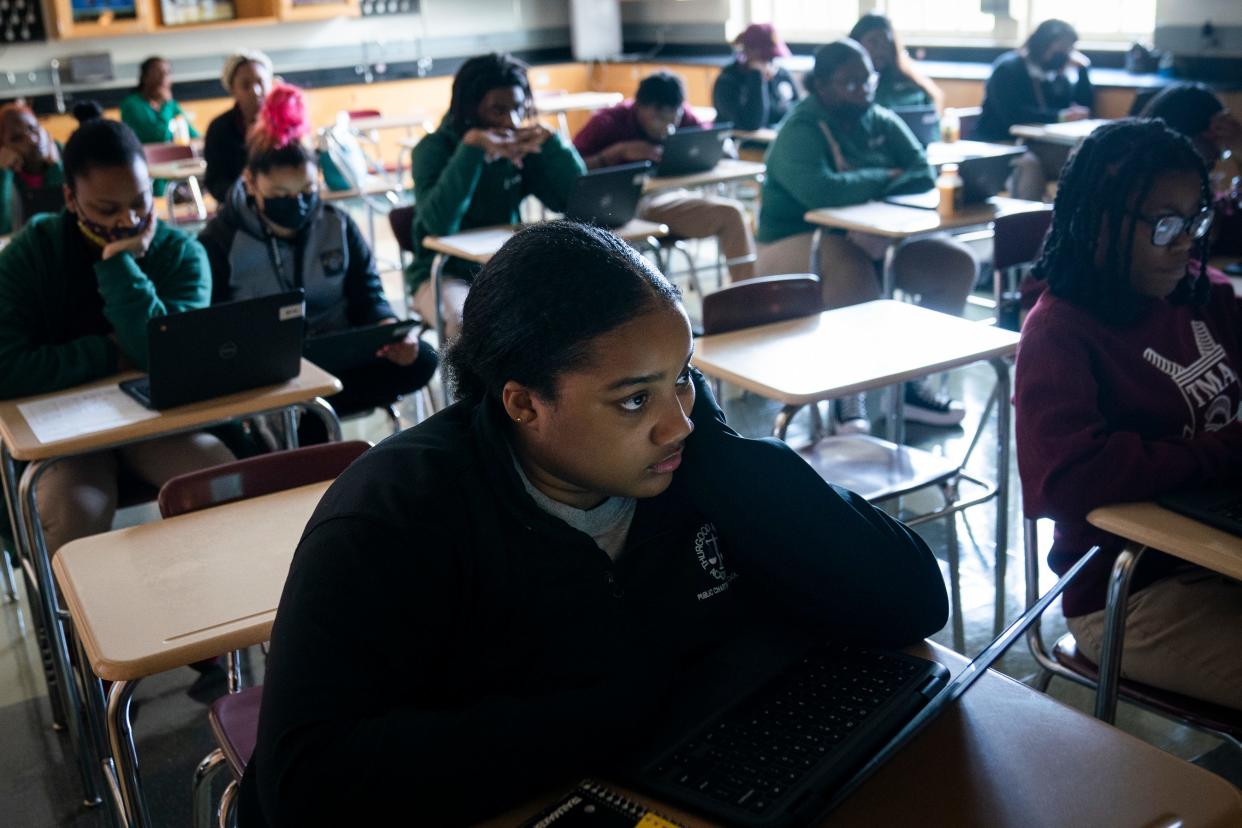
{"type": "Point", "coordinates": [495, 599]}
{"type": "Point", "coordinates": [753, 92]}
{"type": "Point", "coordinates": [247, 77]}
{"type": "Point", "coordinates": [1044, 82]}
{"type": "Point", "coordinates": [273, 234]}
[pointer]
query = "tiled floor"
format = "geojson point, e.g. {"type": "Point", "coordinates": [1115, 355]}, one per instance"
{"type": "Point", "coordinates": [38, 781]}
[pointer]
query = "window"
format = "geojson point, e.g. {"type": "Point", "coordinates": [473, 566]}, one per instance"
{"type": "Point", "coordinates": [956, 20]}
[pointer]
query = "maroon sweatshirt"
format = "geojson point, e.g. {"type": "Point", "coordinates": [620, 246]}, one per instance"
{"type": "Point", "coordinates": [1113, 413]}
{"type": "Point", "coordinates": [619, 123]}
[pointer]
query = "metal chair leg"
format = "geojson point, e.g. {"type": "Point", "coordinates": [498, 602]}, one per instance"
{"type": "Point", "coordinates": [1115, 631]}
{"type": "Point", "coordinates": [692, 273]}
{"type": "Point", "coordinates": [6, 570]}
{"type": "Point", "coordinates": [394, 416]}
{"type": "Point", "coordinates": [233, 670]}
{"type": "Point", "coordinates": [207, 769]}
{"type": "Point", "coordinates": [1042, 679]}
{"type": "Point", "coordinates": [225, 815]}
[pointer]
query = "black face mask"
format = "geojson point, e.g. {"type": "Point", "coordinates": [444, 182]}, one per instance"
{"type": "Point", "coordinates": [291, 212]}
{"type": "Point", "coordinates": [1056, 61]}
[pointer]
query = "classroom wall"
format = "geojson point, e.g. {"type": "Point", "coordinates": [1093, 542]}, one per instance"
{"type": "Point", "coordinates": [1178, 26]}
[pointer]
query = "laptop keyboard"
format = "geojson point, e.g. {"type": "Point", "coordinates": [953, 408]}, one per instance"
{"type": "Point", "coordinates": [777, 737]}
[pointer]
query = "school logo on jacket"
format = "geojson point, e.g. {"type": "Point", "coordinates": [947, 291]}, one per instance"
{"type": "Point", "coordinates": [1204, 383]}
{"type": "Point", "coordinates": [707, 549]}
{"type": "Point", "coordinates": [332, 262]}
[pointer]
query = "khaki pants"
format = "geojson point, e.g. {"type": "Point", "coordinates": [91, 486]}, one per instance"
{"type": "Point", "coordinates": [452, 301]}
{"type": "Point", "coordinates": [939, 270]}
{"type": "Point", "coordinates": [700, 217]}
{"type": "Point", "coordinates": [77, 496]}
{"type": "Point", "coordinates": [1041, 163]}
{"type": "Point", "coordinates": [1183, 633]}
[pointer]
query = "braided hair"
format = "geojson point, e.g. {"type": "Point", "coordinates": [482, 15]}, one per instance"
{"type": "Point", "coordinates": [480, 75]}
{"type": "Point", "coordinates": [1105, 180]}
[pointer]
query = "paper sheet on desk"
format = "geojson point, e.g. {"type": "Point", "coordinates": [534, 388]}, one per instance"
{"type": "Point", "coordinates": [82, 412]}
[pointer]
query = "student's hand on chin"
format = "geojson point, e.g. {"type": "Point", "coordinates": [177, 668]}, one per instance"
{"type": "Point", "coordinates": [10, 160]}
{"type": "Point", "coordinates": [135, 246]}
{"type": "Point", "coordinates": [402, 353]}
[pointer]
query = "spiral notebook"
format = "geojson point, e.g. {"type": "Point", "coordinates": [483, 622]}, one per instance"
{"type": "Point", "coordinates": [592, 805]}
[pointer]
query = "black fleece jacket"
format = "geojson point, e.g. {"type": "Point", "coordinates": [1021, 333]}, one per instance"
{"type": "Point", "coordinates": [444, 648]}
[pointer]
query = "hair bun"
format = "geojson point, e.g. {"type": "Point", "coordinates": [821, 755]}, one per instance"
{"type": "Point", "coordinates": [283, 117]}
{"type": "Point", "coordinates": [85, 111]}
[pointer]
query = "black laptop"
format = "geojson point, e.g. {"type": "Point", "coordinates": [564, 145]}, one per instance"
{"type": "Point", "coordinates": [982, 178]}
{"type": "Point", "coordinates": [693, 150]}
{"type": "Point", "coordinates": [923, 121]}
{"type": "Point", "coordinates": [609, 196]}
{"type": "Point", "coordinates": [223, 349]}
{"type": "Point", "coordinates": [788, 751]}
{"type": "Point", "coordinates": [356, 347]}
{"type": "Point", "coordinates": [1219, 506]}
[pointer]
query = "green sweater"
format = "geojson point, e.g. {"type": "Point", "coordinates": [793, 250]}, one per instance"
{"type": "Point", "coordinates": [802, 173]}
{"type": "Point", "coordinates": [53, 178]}
{"type": "Point", "coordinates": [455, 189]}
{"type": "Point", "coordinates": [151, 126]}
{"type": "Point", "coordinates": [36, 355]}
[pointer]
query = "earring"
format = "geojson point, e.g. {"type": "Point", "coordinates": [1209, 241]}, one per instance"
{"type": "Point", "coordinates": [517, 419]}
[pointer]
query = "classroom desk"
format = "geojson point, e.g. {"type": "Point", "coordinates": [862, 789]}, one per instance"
{"type": "Point", "coordinates": [888, 343]}
{"type": "Point", "coordinates": [764, 135]}
{"type": "Point", "coordinates": [895, 221]}
{"type": "Point", "coordinates": [167, 594]}
{"type": "Point", "coordinates": [563, 103]}
{"type": "Point", "coordinates": [19, 443]}
{"type": "Point", "coordinates": [1066, 134]}
{"type": "Point", "coordinates": [955, 152]}
{"type": "Point", "coordinates": [1006, 756]}
{"type": "Point", "coordinates": [727, 171]}
{"type": "Point", "coordinates": [1148, 526]}
{"type": "Point", "coordinates": [189, 171]}
{"type": "Point", "coordinates": [408, 122]}
{"type": "Point", "coordinates": [478, 246]}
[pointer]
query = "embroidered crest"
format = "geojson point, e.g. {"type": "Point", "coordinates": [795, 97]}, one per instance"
{"type": "Point", "coordinates": [707, 548]}
{"type": "Point", "coordinates": [332, 262]}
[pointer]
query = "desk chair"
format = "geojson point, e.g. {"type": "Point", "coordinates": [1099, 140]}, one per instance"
{"type": "Point", "coordinates": [967, 118]}
{"type": "Point", "coordinates": [360, 172]}
{"type": "Point", "coordinates": [1016, 244]}
{"type": "Point", "coordinates": [167, 153]}
{"type": "Point", "coordinates": [234, 717]}
{"type": "Point", "coordinates": [401, 220]}
{"type": "Point", "coordinates": [1064, 660]}
{"type": "Point", "coordinates": [874, 468]}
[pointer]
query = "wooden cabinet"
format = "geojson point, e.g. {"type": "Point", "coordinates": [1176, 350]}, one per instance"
{"type": "Point", "coordinates": [63, 26]}
{"type": "Point", "coordinates": [148, 18]}
{"type": "Point", "coordinates": [290, 10]}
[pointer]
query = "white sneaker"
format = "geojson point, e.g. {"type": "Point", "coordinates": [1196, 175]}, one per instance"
{"type": "Point", "coordinates": [849, 415]}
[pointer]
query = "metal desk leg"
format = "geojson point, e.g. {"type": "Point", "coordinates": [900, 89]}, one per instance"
{"type": "Point", "coordinates": [289, 421]}
{"type": "Point", "coordinates": [95, 708]}
{"type": "Point", "coordinates": [322, 409]}
{"type": "Point", "coordinates": [54, 616]}
{"type": "Point", "coordinates": [437, 276]}
{"type": "Point", "coordinates": [196, 192]}
{"type": "Point", "coordinates": [1003, 412]}
{"type": "Point", "coordinates": [1115, 631]}
{"type": "Point", "coordinates": [121, 741]}
{"type": "Point", "coordinates": [783, 419]}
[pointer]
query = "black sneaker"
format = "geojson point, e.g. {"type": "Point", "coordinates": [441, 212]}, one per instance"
{"type": "Point", "coordinates": [923, 404]}
{"type": "Point", "coordinates": [849, 415]}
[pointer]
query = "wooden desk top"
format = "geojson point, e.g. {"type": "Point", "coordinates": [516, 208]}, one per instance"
{"type": "Point", "coordinates": [312, 382]}
{"type": "Point", "coordinates": [938, 152]}
{"type": "Point", "coordinates": [181, 170]}
{"type": "Point", "coordinates": [408, 121]}
{"type": "Point", "coordinates": [1178, 535]}
{"type": "Point", "coordinates": [1067, 134]}
{"type": "Point", "coordinates": [847, 350]}
{"type": "Point", "coordinates": [576, 102]}
{"type": "Point", "coordinates": [894, 221]}
{"type": "Point", "coordinates": [765, 135]}
{"type": "Point", "coordinates": [169, 593]}
{"type": "Point", "coordinates": [729, 169]}
{"type": "Point", "coordinates": [1008, 757]}
{"type": "Point", "coordinates": [373, 187]}
{"type": "Point", "coordinates": [480, 245]}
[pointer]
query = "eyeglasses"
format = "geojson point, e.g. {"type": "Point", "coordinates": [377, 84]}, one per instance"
{"type": "Point", "coordinates": [872, 81]}
{"type": "Point", "coordinates": [1166, 229]}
